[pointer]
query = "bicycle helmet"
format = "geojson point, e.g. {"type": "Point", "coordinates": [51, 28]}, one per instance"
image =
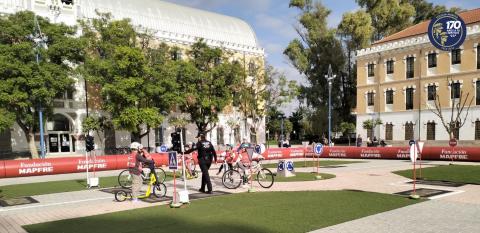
{"type": "Point", "coordinates": [135, 145]}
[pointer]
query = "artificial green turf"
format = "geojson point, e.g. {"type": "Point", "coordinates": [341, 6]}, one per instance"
{"type": "Point", "coordinates": [469, 174]}
{"type": "Point", "coordinates": [313, 163]}
{"type": "Point", "coordinates": [303, 176]}
{"type": "Point", "coordinates": [245, 212]}
{"type": "Point", "coordinates": [30, 189]}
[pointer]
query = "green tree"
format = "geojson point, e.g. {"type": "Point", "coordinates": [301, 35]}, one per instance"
{"type": "Point", "coordinates": [312, 53]}
{"type": "Point", "coordinates": [207, 82]}
{"type": "Point", "coordinates": [388, 16]}
{"type": "Point", "coordinates": [371, 124]}
{"type": "Point", "coordinates": [26, 85]}
{"type": "Point", "coordinates": [135, 78]}
{"type": "Point", "coordinates": [347, 128]}
{"type": "Point", "coordinates": [426, 10]}
{"type": "Point", "coordinates": [6, 119]}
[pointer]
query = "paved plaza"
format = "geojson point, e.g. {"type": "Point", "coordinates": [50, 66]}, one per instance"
{"type": "Point", "coordinates": [455, 211]}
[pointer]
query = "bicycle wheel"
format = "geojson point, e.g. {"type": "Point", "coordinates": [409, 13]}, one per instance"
{"type": "Point", "coordinates": [121, 195]}
{"type": "Point", "coordinates": [160, 174]}
{"type": "Point", "coordinates": [159, 190]}
{"type": "Point", "coordinates": [265, 178]}
{"type": "Point", "coordinates": [125, 179]}
{"type": "Point", "coordinates": [231, 179]}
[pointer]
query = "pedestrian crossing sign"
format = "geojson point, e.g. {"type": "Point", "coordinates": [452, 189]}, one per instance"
{"type": "Point", "coordinates": [172, 160]}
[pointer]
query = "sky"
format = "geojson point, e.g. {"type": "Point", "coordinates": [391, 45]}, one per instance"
{"type": "Point", "coordinates": [273, 22]}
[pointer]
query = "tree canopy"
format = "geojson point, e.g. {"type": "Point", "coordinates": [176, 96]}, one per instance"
{"type": "Point", "coordinates": [25, 86]}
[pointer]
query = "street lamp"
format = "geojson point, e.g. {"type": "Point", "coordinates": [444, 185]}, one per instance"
{"type": "Point", "coordinates": [41, 42]}
{"type": "Point", "coordinates": [281, 129]}
{"type": "Point", "coordinates": [329, 78]}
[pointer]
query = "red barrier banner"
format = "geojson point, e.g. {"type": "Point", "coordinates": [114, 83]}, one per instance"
{"type": "Point", "coordinates": [2, 169]}
{"type": "Point", "coordinates": [34, 167]}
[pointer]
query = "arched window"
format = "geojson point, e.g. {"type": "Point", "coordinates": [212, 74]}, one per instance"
{"type": "Point", "coordinates": [477, 130]}
{"type": "Point", "coordinates": [408, 131]}
{"type": "Point", "coordinates": [389, 131]}
{"type": "Point", "coordinates": [431, 130]}
{"type": "Point", "coordinates": [60, 123]}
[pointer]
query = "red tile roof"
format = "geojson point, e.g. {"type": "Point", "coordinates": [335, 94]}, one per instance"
{"type": "Point", "coordinates": [470, 16]}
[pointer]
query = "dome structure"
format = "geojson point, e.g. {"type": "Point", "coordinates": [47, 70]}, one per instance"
{"type": "Point", "coordinates": [178, 23]}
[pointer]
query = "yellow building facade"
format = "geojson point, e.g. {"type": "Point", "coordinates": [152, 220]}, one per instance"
{"type": "Point", "coordinates": [403, 80]}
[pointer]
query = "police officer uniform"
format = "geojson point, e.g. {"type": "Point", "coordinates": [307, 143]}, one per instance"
{"type": "Point", "coordinates": [206, 153]}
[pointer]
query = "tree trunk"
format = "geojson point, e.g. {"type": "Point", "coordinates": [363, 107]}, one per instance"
{"type": "Point", "coordinates": [31, 144]}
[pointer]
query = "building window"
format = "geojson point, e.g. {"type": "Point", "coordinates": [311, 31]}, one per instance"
{"type": "Point", "coordinates": [477, 87]}
{"type": "Point", "coordinates": [431, 131]}
{"type": "Point", "coordinates": [220, 140]}
{"type": "Point", "coordinates": [370, 98]}
{"type": "Point", "coordinates": [455, 90]}
{"type": "Point", "coordinates": [177, 55]}
{"type": "Point", "coordinates": [477, 130]}
{"type": "Point", "coordinates": [409, 98]}
{"type": "Point", "coordinates": [371, 70]}
{"type": "Point", "coordinates": [66, 95]}
{"type": "Point", "coordinates": [67, 2]}
{"type": "Point", "coordinates": [432, 92]}
{"type": "Point", "coordinates": [455, 129]}
{"type": "Point", "coordinates": [456, 56]}
{"type": "Point", "coordinates": [389, 97]}
{"type": "Point", "coordinates": [408, 131]}
{"type": "Point", "coordinates": [390, 67]}
{"type": "Point", "coordinates": [389, 131]}
{"type": "Point", "coordinates": [478, 56]}
{"type": "Point", "coordinates": [370, 134]}
{"type": "Point", "coordinates": [251, 68]}
{"type": "Point", "coordinates": [432, 60]}
{"type": "Point", "coordinates": [159, 132]}
{"type": "Point", "coordinates": [410, 67]}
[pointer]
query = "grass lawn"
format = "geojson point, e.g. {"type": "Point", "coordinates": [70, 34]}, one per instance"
{"type": "Point", "coordinates": [455, 173]}
{"type": "Point", "coordinates": [303, 176]}
{"type": "Point", "coordinates": [245, 212]}
{"type": "Point", "coordinates": [311, 163]}
{"type": "Point", "coordinates": [20, 190]}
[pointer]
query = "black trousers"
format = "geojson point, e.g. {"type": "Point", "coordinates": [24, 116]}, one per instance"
{"type": "Point", "coordinates": [204, 166]}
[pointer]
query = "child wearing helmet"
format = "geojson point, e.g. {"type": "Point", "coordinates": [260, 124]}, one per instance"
{"type": "Point", "coordinates": [228, 155]}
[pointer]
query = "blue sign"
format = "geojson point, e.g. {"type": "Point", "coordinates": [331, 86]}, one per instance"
{"type": "Point", "coordinates": [318, 149]}
{"type": "Point", "coordinates": [258, 149]}
{"type": "Point", "coordinates": [172, 160]}
{"type": "Point", "coordinates": [411, 142]}
{"type": "Point", "coordinates": [447, 31]}
{"type": "Point", "coordinates": [281, 165]}
{"type": "Point", "coordinates": [290, 166]}
{"type": "Point", "coordinates": [163, 148]}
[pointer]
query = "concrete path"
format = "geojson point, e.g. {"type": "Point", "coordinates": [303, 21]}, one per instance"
{"type": "Point", "coordinates": [458, 210]}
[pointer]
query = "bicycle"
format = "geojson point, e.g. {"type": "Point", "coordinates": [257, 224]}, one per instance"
{"type": "Point", "coordinates": [232, 179]}
{"type": "Point", "coordinates": [125, 178]}
{"type": "Point", "coordinates": [157, 189]}
{"type": "Point", "coordinates": [190, 167]}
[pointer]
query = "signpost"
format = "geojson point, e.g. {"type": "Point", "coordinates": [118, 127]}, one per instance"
{"type": "Point", "coordinates": [452, 143]}
{"type": "Point", "coordinates": [163, 148]}
{"type": "Point", "coordinates": [318, 149]}
{"type": "Point", "coordinates": [413, 158]}
{"type": "Point", "coordinates": [173, 165]}
{"type": "Point", "coordinates": [305, 144]}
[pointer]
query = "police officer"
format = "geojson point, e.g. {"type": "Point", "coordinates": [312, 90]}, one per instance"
{"type": "Point", "coordinates": [206, 153]}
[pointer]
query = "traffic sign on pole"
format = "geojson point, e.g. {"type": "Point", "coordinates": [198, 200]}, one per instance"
{"type": "Point", "coordinates": [318, 149]}
{"type": "Point", "coordinates": [172, 160]}
{"type": "Point", "coordinates": [452, 142]}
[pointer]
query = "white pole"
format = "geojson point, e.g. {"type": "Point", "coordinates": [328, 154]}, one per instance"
{"type": "Point", "coordinates": [86, 159]}
{"type": "Point", "coordinates": [183, 160]}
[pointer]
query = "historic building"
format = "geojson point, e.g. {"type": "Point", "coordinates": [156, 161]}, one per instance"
{"type": "Point", "coordinates": [173, 24]}
{"type": "Point", "coordinates": [400, 77]}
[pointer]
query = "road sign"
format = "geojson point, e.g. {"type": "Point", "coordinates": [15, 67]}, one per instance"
{"type": "Point", "coordinates": [289, 165]}
{"type": "Point", "coordinates": [260, 149]}
{"type": "Point", "coordinates": [420, 146]}
{"type": "Point", "coordinates": [172, 160]}
{"type": "Point", "coordinates": [452, 142]}
{"type": "Point", "coordinates": [411, 142]}
{"type": "Point", "coordinates": [281, 165]}
{"type": "Point", "coordinates": [318, 149]}
{"type": "Point", "coordinates": [163, 148]}
{"type": "Point", "coordinates": [413, 153]}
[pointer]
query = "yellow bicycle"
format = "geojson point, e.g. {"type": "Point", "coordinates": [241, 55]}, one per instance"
{"type": "Point", "coordinates": [156, 188]}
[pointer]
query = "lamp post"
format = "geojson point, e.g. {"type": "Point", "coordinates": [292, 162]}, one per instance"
{"type": "Point", "coordinates": [281, 129]}
{"type": "Point", "coordinates": [40, 41]}
{"type": "Point", "coordinates": [329, 78]}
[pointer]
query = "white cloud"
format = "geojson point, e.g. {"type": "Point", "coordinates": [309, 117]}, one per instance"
{"type": "Point", "coordinates": [277, 25]}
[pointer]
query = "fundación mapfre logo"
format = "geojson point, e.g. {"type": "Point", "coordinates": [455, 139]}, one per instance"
{"type": "Point", "coordinates": [447, 31]}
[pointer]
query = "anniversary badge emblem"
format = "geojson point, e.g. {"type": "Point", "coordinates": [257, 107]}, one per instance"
{"type": "Point", "coordinates": [447, 31]}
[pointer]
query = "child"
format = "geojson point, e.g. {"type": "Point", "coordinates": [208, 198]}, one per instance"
{"type": "Point", "coordinates": [228, 155]}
